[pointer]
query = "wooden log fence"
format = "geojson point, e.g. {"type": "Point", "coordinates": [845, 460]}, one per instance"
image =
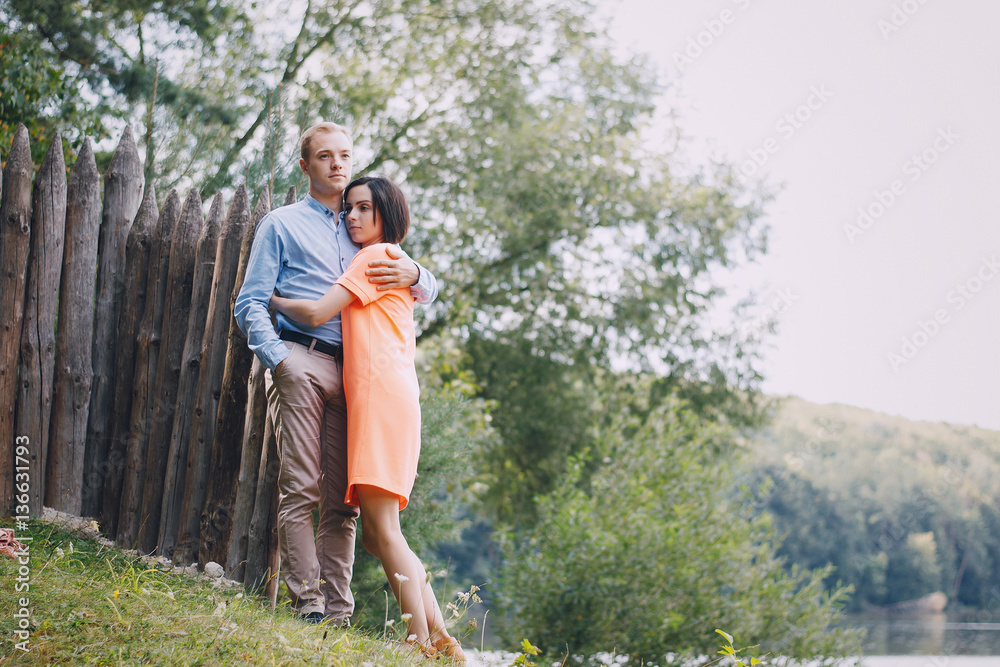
{"type": "Point", "coordinates": [73, 368]}
{"type": "Point", "coordinates": [171, 491]}
{"type": "Point", "coordinates": [38, 333]}
{"type": "Point", "coordinates": [145, 230]}
{"type": "Point", "coordinates": [123, 185]}
{"type": "Point", "coordinates": [188, 515]}
{"type": "Point", "coordinates": [177, 306]}
{"type": "Point", "coordinates": [134, 392]}
{"type": "Point", "coordinates": [217, 513]}
{"type": "Point", "coordinates": [15, 214]}
{"type": "Point", "coordinates": [147, 356]}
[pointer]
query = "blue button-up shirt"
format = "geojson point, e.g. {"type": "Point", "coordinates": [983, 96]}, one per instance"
{"type": "Point", "coordinates": [300, 250]}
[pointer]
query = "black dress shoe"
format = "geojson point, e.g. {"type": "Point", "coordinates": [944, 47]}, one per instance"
{"type": "Point", "coordinates": [314, 617]}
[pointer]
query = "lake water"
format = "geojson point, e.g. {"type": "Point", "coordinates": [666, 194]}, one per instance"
{"type": "Point", "coordinates": [931, 635]}
{"type": "Point", "coordinates": [940, 640]}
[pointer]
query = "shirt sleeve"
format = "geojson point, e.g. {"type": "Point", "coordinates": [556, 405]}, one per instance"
{"type": "Point", "coordinates": [355, 279]}
{"type": "Point", "coordinates": [425, 290]}
{"type": "Point", "coordinates": [251, 305]}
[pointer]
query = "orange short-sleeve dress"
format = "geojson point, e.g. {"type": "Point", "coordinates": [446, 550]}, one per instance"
{"type": "Point", "coordinates": [380, 383]}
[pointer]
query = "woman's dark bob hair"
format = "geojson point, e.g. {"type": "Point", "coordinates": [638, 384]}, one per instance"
{"type": "Point", "coordinates": [389, 204]}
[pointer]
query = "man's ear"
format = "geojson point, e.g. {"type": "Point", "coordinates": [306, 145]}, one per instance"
{"type": "Point", "coordinates": [304, 166]}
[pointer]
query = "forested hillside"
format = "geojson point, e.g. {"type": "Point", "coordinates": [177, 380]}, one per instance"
{"type": "Point", "coordinates": [900, 508]}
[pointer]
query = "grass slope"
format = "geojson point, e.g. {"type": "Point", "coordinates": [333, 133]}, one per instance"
{"type": "Point", "coordinates": [93, 604]}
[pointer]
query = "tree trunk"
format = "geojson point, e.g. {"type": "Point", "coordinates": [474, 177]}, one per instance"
{"type": "Point", "coordinates": [250, 461]}
{"type": "Point", "coordinates": [213, 362]}
{"type": "Point", "coordinates": [216, 516]}
{"type": "Point", "coordinates": [41, 303]}
{"type": "Point", "coordinates": [122, 195]}
{"type": "Point", "coordinates": [146, 233]}
{"type": "Point", "coordinates": [73, 367]}
{"type": "Point", "coordinates": [147, 355]}
{"type": "Point", "coordinates": [191, 363]}
{"type": "Point", "coordinates": [180, 283]}
{"type": "Point", "coordinates": [262, 535]}
{"type": "Point", "coordinates": [15, 238]}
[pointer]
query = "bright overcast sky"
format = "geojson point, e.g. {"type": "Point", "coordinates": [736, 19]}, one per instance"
{"type": "Point", "coordinates": [895, 109]}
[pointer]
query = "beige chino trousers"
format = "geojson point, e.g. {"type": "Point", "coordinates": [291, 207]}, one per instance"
{"type": "Point", "coordinates": [305, 399]}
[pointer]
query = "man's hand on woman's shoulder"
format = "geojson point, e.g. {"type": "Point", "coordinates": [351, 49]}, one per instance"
{"type": "Point", "coordinates": [395, 273]}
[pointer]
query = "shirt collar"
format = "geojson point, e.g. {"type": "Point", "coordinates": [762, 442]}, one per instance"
{"type": "Point", "coordinates": [313, 203]}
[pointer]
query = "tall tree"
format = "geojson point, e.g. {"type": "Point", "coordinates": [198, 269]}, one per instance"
{"type": "Point", "coordinates": [107, 50]}
{"type": "Point", "coordinates": [566, 243]}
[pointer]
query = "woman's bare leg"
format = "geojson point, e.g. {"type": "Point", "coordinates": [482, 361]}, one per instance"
{"type": "Point", "coordinates": [383, 538]}
{"type": "Point", "coordinates": [435, 621]}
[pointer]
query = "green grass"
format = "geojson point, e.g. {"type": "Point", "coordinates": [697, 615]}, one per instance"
{"type": "Point", "coordinates": [94, 604]}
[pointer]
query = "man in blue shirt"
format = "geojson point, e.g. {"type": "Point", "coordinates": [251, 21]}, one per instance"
{"type": "Point", "coordinates": [301, 250]}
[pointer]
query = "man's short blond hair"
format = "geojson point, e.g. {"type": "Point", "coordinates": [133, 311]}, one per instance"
{"type": "Point", "coordinates": [325, 128]}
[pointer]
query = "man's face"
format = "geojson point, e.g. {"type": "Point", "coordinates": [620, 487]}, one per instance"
{"type": "Point", "coordinates": [329, 165]}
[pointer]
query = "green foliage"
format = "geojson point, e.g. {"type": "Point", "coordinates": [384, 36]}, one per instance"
{"type": "Point", "coordinates": [528, 651]}
{"type": "Point", "coordinates": [35, 91]}
{"type": "Point", "coordinates": [651, 549]}
{"type": "Point", "coordinates": [731, 652]}
{"type": "Point", "coordinates": [545, 416]}
{"type": "Point", "coordinates": [901, 509]}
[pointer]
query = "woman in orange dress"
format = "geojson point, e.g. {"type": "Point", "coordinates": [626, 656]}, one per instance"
{"type": "Point", "coordinates": [383, 401]}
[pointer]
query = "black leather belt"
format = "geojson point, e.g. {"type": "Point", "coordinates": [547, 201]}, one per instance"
{"type": "Point", "coordinates": [335, 351]}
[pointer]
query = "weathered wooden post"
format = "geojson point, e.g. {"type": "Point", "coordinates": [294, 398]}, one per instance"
{"type": "Point", "coordinates": [216, 516]}
{"type": "Point", "coordinates": [73, 367]}
{"type": "Point", "coordinates": [144, 380]}
{"type": "Point", "coordinates": [180, 282]}
{"type": "Point", "coordinates": [122, 195]}
{"type": "Point", "coordinates": [213, 358]}
{"type": "Point", "coordinates": [172, 483]}
{"type": "Point", "coordinates": [262, 534]}
{"type": "Point", "coordinates": [250, 460]}
{"type": "Point", "coordinates": [246, 483]}
{"type": "Point", "coordinates": [15, 237]}
{"type": "Point", "coordinates": [142, 250]}
{"type": "Point", "coordinates": [41, 303]}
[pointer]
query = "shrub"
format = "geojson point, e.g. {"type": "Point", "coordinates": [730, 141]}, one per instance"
{"type": "Point", "coordinates": [654, 550]}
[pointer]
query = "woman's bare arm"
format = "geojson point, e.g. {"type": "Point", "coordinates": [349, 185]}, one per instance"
{"type": "Point", "coordinates": [314, 312]}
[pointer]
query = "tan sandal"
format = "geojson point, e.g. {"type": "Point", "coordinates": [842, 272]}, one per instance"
{"type": "Point", "coordinates": [450, 647]}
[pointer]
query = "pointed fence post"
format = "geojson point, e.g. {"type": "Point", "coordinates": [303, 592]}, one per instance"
{"type": "Point", "coordinates": [122, 196]}
{"type": "Point", "coordinates": [246, 483]}
{"type": "Point", "coordinates": [41, 303]}
{"type": "Point", "coordinates": [213, 363]}
{"type": "Point", "coordinates": [217, 513]}
{"type": "Point", "coordinates": [15, 238]}
{"type": "Point", "coordinates": [145, 233]}
{"type": "Point", "coordinates": [147, 355]}
{"type": "Point", "coordinates": [262, 535]}
{"type": "Point", "coordinates": [250, 461]}
{"type": "Point", "coordinates": [180, 433]}
{"type": "Point", "coordinates": [73, 367]}
{"type": "Point", "coordinates": [180, 283]}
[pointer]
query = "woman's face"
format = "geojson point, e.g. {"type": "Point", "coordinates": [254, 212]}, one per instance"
{"type": "Point", "coordinates": [364, 224]}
